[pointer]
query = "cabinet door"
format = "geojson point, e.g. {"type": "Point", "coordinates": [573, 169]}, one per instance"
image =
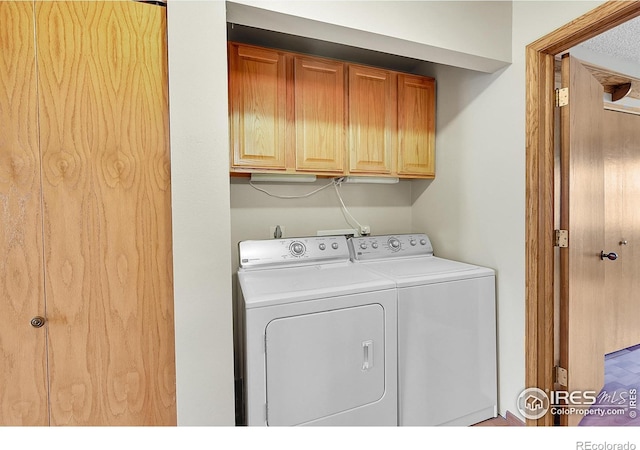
{"type": "Point", "coordinates": [319, 115]}
{"type": "Point", "coordinates": [416, 125]}
{"type": "Point", "coordinates": [257, 107]}
{"type": "Point", "coordinates": [103, 105]}
{"type": "Point", "coordinates": [371, 120]}
{"type": "Point", "coordinates": [23, 384]}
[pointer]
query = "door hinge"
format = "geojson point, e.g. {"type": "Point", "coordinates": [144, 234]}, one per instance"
{"type": "Point", "coordinates": [561, 238]}
{"type": "Point", "coordinates": [562, 97]}
{"type": "Point", "coordinates": [560, 376]}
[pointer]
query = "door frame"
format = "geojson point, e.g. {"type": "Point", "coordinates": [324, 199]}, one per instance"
{"type": "Point", "coordinates": [539, 228]}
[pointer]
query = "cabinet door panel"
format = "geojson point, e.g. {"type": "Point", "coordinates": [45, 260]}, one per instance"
{"type": "Point", "coordinates": [23, 385]}
{"type": "Point", "coordinates": [257, 96]}
{"type": "Point", "coordinates": [107, 215]}
{"type": "Point", "coordinates": [416, 125]}
{"type": "Point", "coordinates": [371, 120]}
{"type": "Point", "coordinates": [319, 115]}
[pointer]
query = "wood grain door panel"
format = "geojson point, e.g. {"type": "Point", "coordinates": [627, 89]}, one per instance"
{"type": "Point", "coordinates": [23, 371]}
{"type": "Point", "coordinates": [621, 135]}
{"type": "Point", "coordinates": [582, 213]}
{"type": "Point", "coordinates": [107, 213]}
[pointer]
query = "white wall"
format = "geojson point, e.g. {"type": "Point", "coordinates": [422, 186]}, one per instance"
{"type": "Point", "coordinates": [470, 34]}
{"type": "Point", "coordinates": [479, 192]}
{"type": "Point", "coordinates": [474, 210]}
{"type": "Point", "coordinates": [201, 226]}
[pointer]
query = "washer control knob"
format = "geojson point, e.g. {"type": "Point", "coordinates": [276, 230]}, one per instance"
{"type": "Point", "coordinates": [412, 242]}
{"type": "Point", "coordinates": [363, 245]}
{"type": "Point", "coordinates": [297, 248]}
{"type": "Point", "coordinates": [334, 246]}
{"type": "Point", "coordinates": [394, 243]}
{"type": "Point", "coordinates": [322, 246]}
{"type": "Point", "coordinates": [374, 245]}
{"type": "Point", "coordinates": [423, 242]}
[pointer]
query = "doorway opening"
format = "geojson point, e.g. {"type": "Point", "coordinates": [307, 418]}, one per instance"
{"type": "Point", "coordinates": [540, 184]}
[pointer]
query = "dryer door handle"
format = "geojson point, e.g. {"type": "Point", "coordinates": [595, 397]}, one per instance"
{"type": "Point", "coordinates": [367, 355]}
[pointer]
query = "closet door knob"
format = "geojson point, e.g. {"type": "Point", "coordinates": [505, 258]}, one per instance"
{"type": "Point", "coordinates": [611, 256]}
{"type": "Point", "coordinates": [38, 321]}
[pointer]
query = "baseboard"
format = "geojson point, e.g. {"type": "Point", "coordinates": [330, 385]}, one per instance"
{"type": "Point", "coordinates": [513, 420]}
{"type": "Point", "coordinates": [509, 420]}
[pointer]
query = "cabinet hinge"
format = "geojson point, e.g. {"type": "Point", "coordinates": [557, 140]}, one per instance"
{"type": "Point", "coordinates": [560, 376]}
{"type": "Point", "coordinates": [561, 238]}
{"type": "Point", "coordinates": [562, 97]}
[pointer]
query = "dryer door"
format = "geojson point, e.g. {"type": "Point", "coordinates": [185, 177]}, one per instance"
{"type": "Point", "coordinates": [324, 363]}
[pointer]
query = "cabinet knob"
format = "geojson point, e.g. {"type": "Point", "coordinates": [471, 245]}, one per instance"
{"type": "Point", "coordinates": [38, 321]}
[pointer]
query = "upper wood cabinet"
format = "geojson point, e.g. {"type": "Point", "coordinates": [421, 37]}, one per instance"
{"type": "Point", "coordinates": [372, 120]}
{"type": "Point", "coordinates": [257, 107]}
{"type": "Point", "coordinates": [319, 114]}
{"type": "Point", "coordinates": [416, 125]}
{"type": "Point", "coordinates": [297, 113]}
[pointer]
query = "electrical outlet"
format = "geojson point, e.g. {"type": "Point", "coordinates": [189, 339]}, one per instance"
{"type": "Point", "coordinates": [272, 231]}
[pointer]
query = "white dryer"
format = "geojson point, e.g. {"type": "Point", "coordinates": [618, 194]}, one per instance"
{"type": "Point", "coordinates": [320, 337]}
{"type": "Point", "coordinates": [447, 372]}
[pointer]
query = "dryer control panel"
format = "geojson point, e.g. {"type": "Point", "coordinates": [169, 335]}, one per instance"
{"type": "Point", "coordinates": [293, 251]}
{"type": "Point", "coordinates": [389, 246]}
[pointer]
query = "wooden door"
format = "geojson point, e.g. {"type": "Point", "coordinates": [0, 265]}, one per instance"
{"type": "Point", "coordinates": [23, 371]}
{"type": "Point", "coordinates": [416, 125]}
{"type": "Point", "coordinates": [103, 106]}
{"type": "Point", "coordinates": [372, 119]}
{"type": "Point", "coordinates": [582, 293]}
{"type": "Point", "coordinates": [621, 148]}
{"type": "Point", "coordinates": [257, 107]}
{"type": "Point", "coordinates": [319, 115]}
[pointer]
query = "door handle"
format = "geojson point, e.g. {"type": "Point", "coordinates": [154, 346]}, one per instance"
{"type": "Point", "coordinates": [367, 355]}
{"type": "Point", "coordinates": [611, 256]}
{"type": "Point", "coordinates": [38, 321]}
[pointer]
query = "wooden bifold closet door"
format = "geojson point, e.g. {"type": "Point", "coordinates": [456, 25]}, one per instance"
{"type": "Point", "coordinates": [99, 265]}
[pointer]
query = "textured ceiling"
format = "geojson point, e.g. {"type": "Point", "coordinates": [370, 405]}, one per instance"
{"type": "Point", "coordinates": [622, 42]}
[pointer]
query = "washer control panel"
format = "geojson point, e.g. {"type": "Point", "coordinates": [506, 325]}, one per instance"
{"type": "Point", "coordinates": [389, 246]}
{"type": "Point", "coordinates": [303, 250]}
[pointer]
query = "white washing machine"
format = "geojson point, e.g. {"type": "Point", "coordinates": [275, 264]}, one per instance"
{"type": "Point", "coordinates": [447, 372]}
{"type": "Point", "coordinates": [320, 337]}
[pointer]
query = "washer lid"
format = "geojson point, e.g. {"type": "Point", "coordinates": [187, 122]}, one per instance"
{"type": "Point", "coordinates": [418, 270]}
{"type": "Point", "coordinates": [293, 284]}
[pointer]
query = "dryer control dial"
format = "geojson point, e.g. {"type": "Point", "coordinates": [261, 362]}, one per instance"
{"type": "Point", "coordinates": [297, 248]}
{"type": "Point", "coordinates": [394, 244]}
